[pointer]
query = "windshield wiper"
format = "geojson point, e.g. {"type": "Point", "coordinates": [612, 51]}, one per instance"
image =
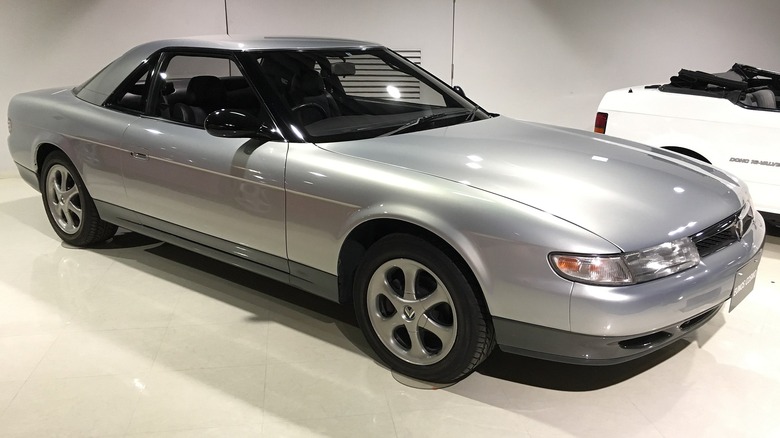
{"type": "Point", "coordinates": [472, 114]}
{"type": "Point", "coordinates": [415, 122]}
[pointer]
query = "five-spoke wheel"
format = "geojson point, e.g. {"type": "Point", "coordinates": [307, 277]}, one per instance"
{"type": "Point", "coordinates": [420, 310]}
{"type": "Point", "coordinates": [63, 197]}
{"type": "Point", "coordinates": [71, 211]}
{"type": "Point", "coordinates": [411, 311]}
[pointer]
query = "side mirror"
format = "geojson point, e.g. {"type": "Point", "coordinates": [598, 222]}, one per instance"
{"type": "Point", "coordinates": [230, 123]}
{"type": "Point", "coordinates": [459, 90]}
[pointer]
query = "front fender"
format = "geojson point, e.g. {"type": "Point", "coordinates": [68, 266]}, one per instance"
{"type": "Point", "coordinates": [505, 243]}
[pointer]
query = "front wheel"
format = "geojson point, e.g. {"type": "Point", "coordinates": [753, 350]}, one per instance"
{"type": "Point", "coordinates": [70, 209]}
{"type": "Point", "coordinates": [419, 312]}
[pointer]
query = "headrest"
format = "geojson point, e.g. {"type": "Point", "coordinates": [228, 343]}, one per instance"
{"type": "Point", "coordinates": [205, 91]}
{"type": "Point", "coordinates": [308, 83]}
{"type": "Point", "coordinates": [765, 98]}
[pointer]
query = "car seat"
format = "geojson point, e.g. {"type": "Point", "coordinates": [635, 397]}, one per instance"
{"type": "Point", "coordinates": [204, 95]}
{"type": "Point", "coordinates": [765, 99]}
{"type": "Point", "coordinates": [309, 98]}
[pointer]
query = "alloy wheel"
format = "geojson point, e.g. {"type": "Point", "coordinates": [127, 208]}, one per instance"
{"type": "Point", "coordinates": [411, 312]}
{"type": "Point", "coordinates": [63, 199]}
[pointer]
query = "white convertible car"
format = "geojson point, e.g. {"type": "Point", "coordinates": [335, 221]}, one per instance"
{"type": "Point", "coordinates": [728, 119]}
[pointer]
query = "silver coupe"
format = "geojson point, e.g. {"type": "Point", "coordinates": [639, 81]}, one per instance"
{"type": "Point", "coordinates": [348, 171]}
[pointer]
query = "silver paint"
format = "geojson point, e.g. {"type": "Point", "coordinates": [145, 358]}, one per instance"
{"type": "Point", "coordinates": [231, 189]}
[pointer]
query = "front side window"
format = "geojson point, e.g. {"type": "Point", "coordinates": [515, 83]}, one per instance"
{"type": "Point", "coordinates": [337, 95]}
{"type": "Point", "coordinates": [192, 86]}
{"type": "Point", "coordinates": [187, 89]}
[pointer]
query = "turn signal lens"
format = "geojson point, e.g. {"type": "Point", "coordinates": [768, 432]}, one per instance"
{"type": "Point", "coordinates": [628, 268]}
{"type": "Point", "coordinates": [567, 264]}
{"type": "Point", "coordinates": [610, 270]}
{"type": "Point", "coordinates": [601, 123]}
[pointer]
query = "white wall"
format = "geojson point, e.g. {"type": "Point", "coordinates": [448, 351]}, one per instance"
{"type": "Point", "coordinates": [398, 24]}
{"type": "Point", "coordinates": [552, 60]}
{"type": "Point", "coordinates": [48, 43]}
{"type": "Point", "coordinates": [543, 60]}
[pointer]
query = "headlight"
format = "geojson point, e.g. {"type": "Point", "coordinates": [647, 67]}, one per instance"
{"type": "Point", "coordinates": [628, 268]}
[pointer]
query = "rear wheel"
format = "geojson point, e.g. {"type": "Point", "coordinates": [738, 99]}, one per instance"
{"type": "Point", "coordinates": [70, 209]}
{"type": "Point", "coordinates": [419, 312]}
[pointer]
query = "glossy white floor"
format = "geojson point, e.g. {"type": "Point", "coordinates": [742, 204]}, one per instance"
{"type": "Point", "coordinates": [143, 339]}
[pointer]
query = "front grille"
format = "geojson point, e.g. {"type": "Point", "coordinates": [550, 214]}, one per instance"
{"type": "Point", "coordinates": [724, 233]}
{"type": "Point", "coordinates": [716, 237]}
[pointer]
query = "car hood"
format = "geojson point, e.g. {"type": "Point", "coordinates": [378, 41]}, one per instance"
{"type": "Point", "coordinates": [628, 193]}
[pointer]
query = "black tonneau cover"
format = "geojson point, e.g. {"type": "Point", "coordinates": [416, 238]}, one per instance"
{"type": "Point", "coordinates": [752, 72]}
{"type": "Point", "coordinates": [700, 80]}
{"type": "Point", "coordinates": [731, 84]}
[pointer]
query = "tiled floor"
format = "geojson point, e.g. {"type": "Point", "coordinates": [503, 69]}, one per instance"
{"type": "Point", "coordinates": [142, 339]}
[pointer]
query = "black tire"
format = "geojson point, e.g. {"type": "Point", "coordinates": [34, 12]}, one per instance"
{"type": "Point", "coordinates": [441, 331]}
{"type": "Point", "coordinates": [68, 205]}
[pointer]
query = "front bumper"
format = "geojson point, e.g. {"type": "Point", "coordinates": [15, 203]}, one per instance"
{"type": "Point", "coordinates": [562, 346]}
{"type": "Point", "coordinates": [614, 324]}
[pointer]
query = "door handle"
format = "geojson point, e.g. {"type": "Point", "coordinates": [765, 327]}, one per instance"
{"type": "Point", "coordinates": [139, 156]}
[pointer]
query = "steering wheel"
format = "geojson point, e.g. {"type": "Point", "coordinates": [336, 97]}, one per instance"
{"type": "Point", "coordinates": [317, 107]}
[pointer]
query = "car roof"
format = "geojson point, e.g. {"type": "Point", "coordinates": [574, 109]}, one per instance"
{"type": "Point", "coordinates": [251, 42]}
{"type": "Point", "coordinates": [99, 87]}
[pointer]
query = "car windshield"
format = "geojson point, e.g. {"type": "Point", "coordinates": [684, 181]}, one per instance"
{"type": "Point", "coordinates": [338, 95]}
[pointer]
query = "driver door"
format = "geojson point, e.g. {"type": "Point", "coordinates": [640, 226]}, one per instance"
{"type": "Point", "coordinates": [224, 193]}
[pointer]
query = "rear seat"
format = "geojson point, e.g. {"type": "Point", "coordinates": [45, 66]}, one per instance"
{"type": "Point", "coordinates": [761, 99]}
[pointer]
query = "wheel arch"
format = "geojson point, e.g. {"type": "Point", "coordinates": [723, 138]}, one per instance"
{"type": "Point", "coordinates": [41, 152]}
{"type": "Point", "coordinates": [46, 142]}
{"type": "Point", "coordinates": [687, 152]}
{"type": "Point", "coordinates": [365, 234]}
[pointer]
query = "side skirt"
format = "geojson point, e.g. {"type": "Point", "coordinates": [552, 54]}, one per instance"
{"type": "Point", "coordinates": [304, 277]}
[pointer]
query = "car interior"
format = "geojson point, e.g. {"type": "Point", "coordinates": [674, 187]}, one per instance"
{"type": "Point", "coordinates": [330, 96]}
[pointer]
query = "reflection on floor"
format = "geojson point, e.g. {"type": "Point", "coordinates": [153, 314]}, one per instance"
{"type": "Point", "coordinates": [142, 339]}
